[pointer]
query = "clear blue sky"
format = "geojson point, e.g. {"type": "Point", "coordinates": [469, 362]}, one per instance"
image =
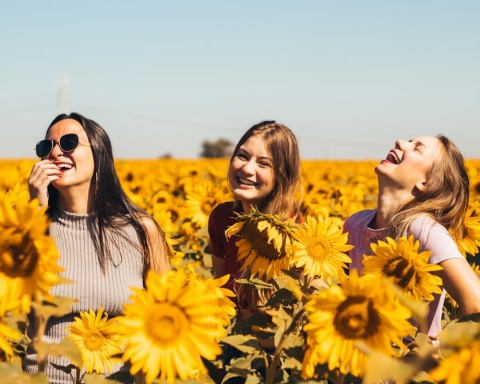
{"type": "Point", "coordinates": [348, 77]}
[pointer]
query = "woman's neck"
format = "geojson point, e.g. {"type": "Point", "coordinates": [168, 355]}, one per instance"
{"type": "Point", "coordinates": [389, 202]}
{"type": "Point", "coordinates": [75, 203]}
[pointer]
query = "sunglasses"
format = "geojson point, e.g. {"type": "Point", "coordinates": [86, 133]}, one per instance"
{"type": "Point", "coordinates": [67, 143]}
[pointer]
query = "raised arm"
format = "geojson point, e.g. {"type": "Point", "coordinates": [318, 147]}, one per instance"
{"type": "Point", "coordinates": [43, 173]}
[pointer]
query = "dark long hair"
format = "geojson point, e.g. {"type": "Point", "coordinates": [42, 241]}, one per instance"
{"type": "Point", "coordinates": [112, 206]}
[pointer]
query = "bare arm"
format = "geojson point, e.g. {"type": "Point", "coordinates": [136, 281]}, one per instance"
{"type": "Point", "coordinates": [218, 266]}
{"type": "Point", "coordinates": [159, 255]}
{"type": "Point", "coordinates": [461, 282]}
{"type": "Point", "coordinates": [43, 173]}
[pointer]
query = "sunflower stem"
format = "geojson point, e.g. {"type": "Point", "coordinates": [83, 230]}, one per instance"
{"type": "Point", "coordinates": [39, 343]}
{"type": "Point", "coordinates": [272, 369]}
{"type": "Point", "coordinates": [340, 379]}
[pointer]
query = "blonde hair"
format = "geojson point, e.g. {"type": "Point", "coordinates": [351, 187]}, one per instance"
{"type": "Point", "coordinates": [445, 197]}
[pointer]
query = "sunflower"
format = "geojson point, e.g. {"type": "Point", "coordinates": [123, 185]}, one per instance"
{"type": "Point", "coordinates": [319, 248]}
{"type": "Point", "coordinates": [361, 309]}
{"type": "Point", "coordinates": [98, 339]}
{"type": "Point", "coordinates": [264, 243]}
{"type": "Point", "coordinates": [7, 334]}
{"type": "Point", "coordinates": [476, 269]}
{"type": "Point", "coordinates": [17, 193]}
{"type": "Point", "coordinates": [171, 325]}
{"type": "Point", "coordinates": [200, 201]}
{"type": "Point", "coordinates": [470, 242]}
{"type": "Point", "coordinates": [407, 267]}
{"type": "Point", "coordinates": [28, 258]}
{"type": "Point", "coordinates": [460, 349]}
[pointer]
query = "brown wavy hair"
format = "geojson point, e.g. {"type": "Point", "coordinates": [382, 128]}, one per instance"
{"type": "Point", "coordinates": [284, 200]}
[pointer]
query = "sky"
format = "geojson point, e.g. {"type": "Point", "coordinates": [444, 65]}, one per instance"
{"type": "Point", "coordinates": [347, 77]}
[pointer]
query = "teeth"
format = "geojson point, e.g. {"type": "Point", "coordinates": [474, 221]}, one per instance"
{"type": "Point", "coordinates": [392, 157]}
{"type": "Point", "coordinates": [67, 166]}
{"type": "Point", "coordinates": [245, 181]}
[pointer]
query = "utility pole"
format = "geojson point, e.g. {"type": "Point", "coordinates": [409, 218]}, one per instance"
{"type": "Point", "coordinates": [63, 104]}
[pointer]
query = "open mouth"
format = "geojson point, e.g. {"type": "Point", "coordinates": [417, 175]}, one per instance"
{"type": "Point", "coordinates": [246, 182]}
{"type": "Point", "coordinates": [393, 157]}
{"type": "Point", "coordinates": [64, 166]}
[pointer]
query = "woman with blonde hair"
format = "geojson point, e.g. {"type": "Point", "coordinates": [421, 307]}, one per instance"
{"type": "Point", "coordinates": [423, 191]}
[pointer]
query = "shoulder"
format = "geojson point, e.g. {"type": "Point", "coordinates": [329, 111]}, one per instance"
{"type": "Point", "coordinates": [221, 217]}
{"type": "Point", "coordinates": [149, 223]}
{"type": "Point", "coordinates": [223, 208]}
{"type": "Point", "coordinates": [424, 225]}
{"type": "Point", "coordinates": [222, 212]}
{"type": "Point", "coordinates": [434, 237]}
{"type": "Point", "coordinates": [359, 219]}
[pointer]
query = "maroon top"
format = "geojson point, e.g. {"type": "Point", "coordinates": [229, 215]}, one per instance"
{"type": "Point", "coordinates": [220, 219]}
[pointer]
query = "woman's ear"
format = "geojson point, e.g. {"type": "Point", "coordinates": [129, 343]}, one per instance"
{"type": "Point", "coordinates": [420, 186]}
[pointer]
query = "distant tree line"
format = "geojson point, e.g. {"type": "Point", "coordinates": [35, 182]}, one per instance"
{"type": "Point", "coordinates": [215, 149]}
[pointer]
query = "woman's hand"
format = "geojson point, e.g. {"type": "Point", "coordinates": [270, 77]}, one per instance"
{"type": "Point", "coordinates": [43, 173]}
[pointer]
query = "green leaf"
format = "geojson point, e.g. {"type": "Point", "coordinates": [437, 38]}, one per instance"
{"type": "Point", "coordinates": [381, 368]}
{"type": "Point", "coordinates": [65, 347]}
{"type": "Point", "coordinates": [419, 309]}
{"type": "Point", "coordinates": [458, 335]}
{"type": "Point", "coordinates": [93, 378]}
{"type": "Point", "coordinates": [257, 283]}
{"type": "Point", "coordinates": [291, 273]}
{"type": "Point", "coordinates": [283, 297]}
{"type": "Point", "coordinates": [12, 373]}
{"type": "Point", "coordinates": [475, 317]}
{"type": "Point", "coordinates": [243, 366]}
{"type": "Point", "coordinates": [253, 379]}
{"type": "Point", "coordinates": [280, 318]}
{"type": "Point", "coordinates": [121, 376]}
{"type": "Point", "coordinates": [60, 307]}
{"type": "Point", "coordinates": [244, 327]}
{"type": "Point", "coordinates": [244, 343]}
{"type": "Point", "coordinates": [292, 363]}
{"type": "Point", "coordinates": [68, 369]}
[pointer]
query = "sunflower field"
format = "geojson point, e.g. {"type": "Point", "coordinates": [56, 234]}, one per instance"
{"type": "Point", "coordinates": [315, 323]}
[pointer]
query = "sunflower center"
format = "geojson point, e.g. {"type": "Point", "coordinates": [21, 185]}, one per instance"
{"type": "Point", "coordinates": [166, 323]}
{"type": "Point", "coordinates": [259, 241]}
{"type": "Point", "coordinates": [93, 340]}
{"type": "Point", "coordinates": [401, 270]}
{"type": "Point", "coordinates": [207, 205]}
{"type": "Point", "coordinates": [356, 318]}
{"type": "Point", "coordinates": [18, 257]}
{"type": "Point", "coordinates": [318, 248]}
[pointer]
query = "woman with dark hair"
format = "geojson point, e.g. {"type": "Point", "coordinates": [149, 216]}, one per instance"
{"type": "Point", "coordinates": [106, 243]}
{"type": "Point", "coordinates": [423, 191]}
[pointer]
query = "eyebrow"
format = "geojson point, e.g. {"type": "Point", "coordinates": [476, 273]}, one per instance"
{"type": "Point", "coordinates": [241, 149]}
{"type": "Point", "coordinates": [418, 143]}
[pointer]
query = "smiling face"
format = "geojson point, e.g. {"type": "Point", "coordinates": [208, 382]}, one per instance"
{"type": "Point", "coordinates": [406, 167]}
{"type": "Point", "coordinates": [77, 166]}
{"type": "Point", "coordinates": [251, 173]}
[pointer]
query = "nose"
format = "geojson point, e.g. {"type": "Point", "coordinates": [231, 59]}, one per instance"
{"type": "Point", "coordinates": [248, 167]}
{"type": "Point", "coordinates": [56, 150]}
{"type": "Point", "coordinates": [400, 144]}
